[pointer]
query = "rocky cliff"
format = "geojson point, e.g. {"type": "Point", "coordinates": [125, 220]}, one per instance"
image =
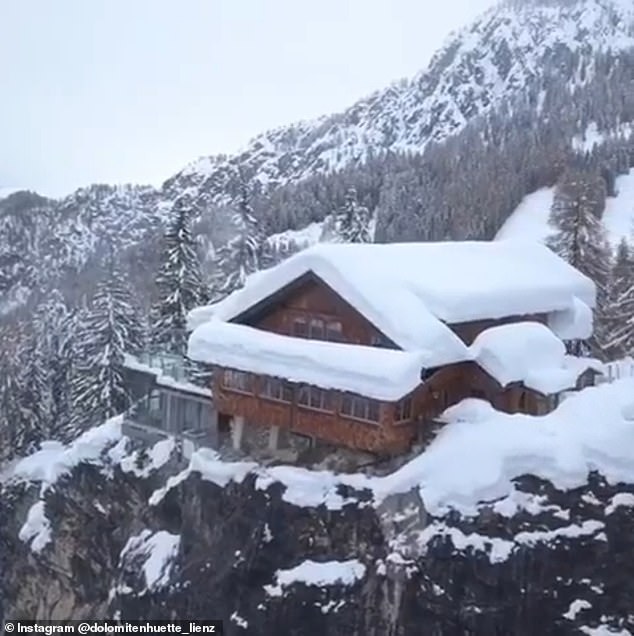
{"type": "Point", "coordinates": [98, 530]}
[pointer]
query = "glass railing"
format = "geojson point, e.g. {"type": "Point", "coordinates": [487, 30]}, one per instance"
{"type": "Point", "coordinates": [172, 365]}
{"type": "Point", "coordinates": [145, 412]}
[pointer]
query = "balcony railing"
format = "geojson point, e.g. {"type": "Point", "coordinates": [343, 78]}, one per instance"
{"type": "Point", "coordinates": [172, 365]}
{"type": "Point", "coordinates": [146, 413]}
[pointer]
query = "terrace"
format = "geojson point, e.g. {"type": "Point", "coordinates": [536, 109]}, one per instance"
{"type": "Point", "coordinates": [167, 401]}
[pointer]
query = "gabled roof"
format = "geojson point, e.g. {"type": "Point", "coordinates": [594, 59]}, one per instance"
{"type": "Point", "coordinates": [412, 291]}
{"type": "Point", "coordinates": [530, 354]}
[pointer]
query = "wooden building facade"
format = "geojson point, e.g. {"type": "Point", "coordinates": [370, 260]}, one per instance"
{"type": "Point", "coordinates": [309, 308]}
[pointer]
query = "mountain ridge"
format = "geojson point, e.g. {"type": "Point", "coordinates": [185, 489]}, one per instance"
{"type": "Point", "coordinates": [521, 62]}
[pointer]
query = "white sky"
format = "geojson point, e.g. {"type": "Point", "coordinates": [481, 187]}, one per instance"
{"type": "Point", "coordinates": [132, 90]}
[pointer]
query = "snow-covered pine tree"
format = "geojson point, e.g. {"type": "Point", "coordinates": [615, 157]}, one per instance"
{"type": "Point", "coordinates": [580, 239]}
{"type": "Point", "coordinates": [247, 252]}
{"type": "Point", "coordinates": [109, 328]}
{"type": "Point", "coordinates": [620, 331]}
{"type": "Point", "coordinates": [179, 281]}
{"type": "Point", "coordinates": [16, 437]}
{"type": "Point", "coordinates": [352, 221]}
{"type": "Point", "coordinates": [35, 396]}
{"type": "Point", "coordinates": [59, 323]}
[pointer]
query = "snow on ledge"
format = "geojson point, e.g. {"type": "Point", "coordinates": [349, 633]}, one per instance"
{"type": "Point", "coordinates": [36, 528]}
{"type": "Point", "coordinates": [158, 456]}
{"type": "Point", "coordinates": [54, 459]}
{"type": "Point", "coordinates": [157, 551]}
{"type": "Point", "coordinates": [318, 574]}
{"type": "Point", "coordinates": [383, 374]}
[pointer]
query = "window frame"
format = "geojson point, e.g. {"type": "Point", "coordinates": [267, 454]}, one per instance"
{"type": "Point", "coordinates": [403, 412]}
{"type": "Point", "coordinates": [326, 404]}
{"type": "Point", "coordinates": [334, 327]}
{"type": "Point", "coordinates": [380, 341]}
{"type": "Point", "coordinates": [319, 325]}
{"type": "Point", "coordinates": [304, 331]}
{"type": "Point", "coordinates": [355, 401]}
{"type": "Point", "coordinates": [285, 394]}
{"type": "Point", "coordinates": [233, 386]}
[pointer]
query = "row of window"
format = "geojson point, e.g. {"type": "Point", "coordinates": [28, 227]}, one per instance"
{"type": "Point", "coordinates": [318, 329]}
{"type": "Point", "coordinates": [314, 398]}
{"type": "Point", "coordinates": [332, 330]}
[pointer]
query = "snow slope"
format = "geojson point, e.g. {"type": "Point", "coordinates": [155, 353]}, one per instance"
{"type": "Point", "coordinates": [530, 218]}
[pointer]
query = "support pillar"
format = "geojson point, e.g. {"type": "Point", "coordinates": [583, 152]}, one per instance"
{"type": "Point", "coordinates": [237, 431]}
{"type": "Point", "coordinates": [213, 426]}
{"type": "Point", "coordinates": [274, 438]}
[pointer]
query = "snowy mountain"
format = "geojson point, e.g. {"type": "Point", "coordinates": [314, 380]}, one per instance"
{"type": "Point", "coordinates": [501, 107]}
{"type": "Point", "coordinates": [46, 242]}
{"type": "Point", "coordinates": [511, 48]}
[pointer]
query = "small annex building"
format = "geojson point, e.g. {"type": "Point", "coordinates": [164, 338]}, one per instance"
{"type": "Point", "coordinates": [365, 345]}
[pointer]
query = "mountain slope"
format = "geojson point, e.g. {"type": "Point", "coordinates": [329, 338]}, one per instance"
{"type": "Point", "coordinates": [508, 50]}
{"type": "Point", "coordinates": [505, 104]}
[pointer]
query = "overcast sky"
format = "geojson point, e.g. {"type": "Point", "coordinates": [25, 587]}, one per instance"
{"type": "Point", "coordinates": [132, 90]}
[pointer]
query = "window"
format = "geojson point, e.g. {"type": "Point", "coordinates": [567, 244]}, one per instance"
{"type": "Point", "coordinates": [334, 331]}
{"type": "Point", "coordinates": [154, 402]}
{"type": "Point", "coordinates": [316, 330]}
{"type": "Point", "coordinates": [275, 389]}
{"type": "Point", "coordinates": [300, 328]}
{"type": "Point", "coordinates": [313, 398]}
{"type": "Point", "coordinates": [238, 381]}
{"type": "Point", "coordinates": [360, 408]}
{"type": "Point", "coordinates": [404, 410]}
{"type": "Point", "coordinates": [379, 340]}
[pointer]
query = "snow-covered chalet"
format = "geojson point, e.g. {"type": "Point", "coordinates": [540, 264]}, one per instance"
{"type": "Point", "coordinates": [365, 345]}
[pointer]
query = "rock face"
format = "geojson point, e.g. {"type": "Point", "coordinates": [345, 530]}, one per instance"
{"type": "Point", "coordinates": [543, 561]}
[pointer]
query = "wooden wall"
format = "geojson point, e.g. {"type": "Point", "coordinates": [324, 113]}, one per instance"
{"type": "Point", "coordinates": [315, 299]}
{"type": "Point", "coordinates": [381, 437]}
{"type": "Point", "coordinates": [469, 331]}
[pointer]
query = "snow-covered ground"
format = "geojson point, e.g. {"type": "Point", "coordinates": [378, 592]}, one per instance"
{"type": "Point", "coordinates": [530, 219]}
{"type": "Point", "coordinates": [310, 235]}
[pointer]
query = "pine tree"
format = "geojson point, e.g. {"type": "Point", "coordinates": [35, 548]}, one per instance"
{"type": "Point", "coordinates": [179, 282]}
{"type": "Point", "coordinates": [247, 252]}
{"type": "Point", "coordinates": [109, 328]}
{"type": "Point", "coordinates": [352, 221]}
{"type": "Point", "coordinates": [62, 363]}
{"type": "Point", "coordinates": [17, 437]}
{"type": "Point", "coordinates": [35, 395]}
{"type": "Point", "coordinates": [581, 240]}
{"type": "Point", "coordinates": [620, 319]}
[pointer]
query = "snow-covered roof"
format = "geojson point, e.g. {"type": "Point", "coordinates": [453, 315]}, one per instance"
{"type": "Point", "coordinates": [410, 290]}
{"type": "Point", "coordinates": [528, 352]}
{"type": "Point", "coordinates": [382, 374]}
